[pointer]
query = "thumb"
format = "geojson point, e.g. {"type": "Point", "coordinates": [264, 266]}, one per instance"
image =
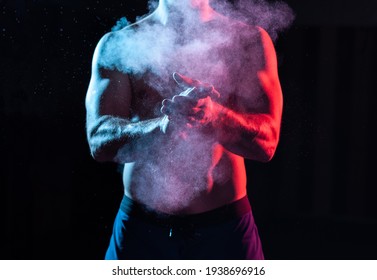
{"type": "Point", "coordinates": [185, 81]}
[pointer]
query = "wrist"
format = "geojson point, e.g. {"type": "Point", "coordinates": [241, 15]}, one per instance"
{"type": "Point", "coordinates": [164, 123]}
{"type": "Point", "coordinates": [221, 115]}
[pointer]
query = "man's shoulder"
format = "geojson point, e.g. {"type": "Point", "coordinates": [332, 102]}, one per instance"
{"type": "Point", "coordinates": [122, 39]}
{"type": "Point", "coordinates": [248, 29]}
{"type": "Point", "coordinates": [128, 30]}
{"type": "Point", "coordinates": [111, 38]}
{"type": "Point", "coordinates": [113, 46]}
{"type": "Point", "coordinates": [242, 31]}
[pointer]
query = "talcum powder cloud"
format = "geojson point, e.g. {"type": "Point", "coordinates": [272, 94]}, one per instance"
{"type": "Point", "coordinates": [214, 53]}
{"type": "Point", "coordinates": [184, 44]}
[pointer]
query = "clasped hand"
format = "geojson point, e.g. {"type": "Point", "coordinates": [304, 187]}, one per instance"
{"type": "Point", "coordinates": [194, 106]}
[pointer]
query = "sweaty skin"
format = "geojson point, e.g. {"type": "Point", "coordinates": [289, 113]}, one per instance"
{"type": "Point", "coordinates": [185, 154]}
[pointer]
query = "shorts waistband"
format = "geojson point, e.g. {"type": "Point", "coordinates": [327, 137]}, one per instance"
{"type": "Point", "coordinates": [218, 215]}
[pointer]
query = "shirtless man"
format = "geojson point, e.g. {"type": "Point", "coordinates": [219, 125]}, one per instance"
{"type": "Point", "coordinates": [183, 142]}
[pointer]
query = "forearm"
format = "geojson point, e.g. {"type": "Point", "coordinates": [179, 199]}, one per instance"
{"type": "Point", "coordinates": [120, 140]}
{"type": "Point", "coordinates": [253, 136]}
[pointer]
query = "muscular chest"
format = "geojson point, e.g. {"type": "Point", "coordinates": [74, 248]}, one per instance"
{"type": "Point", "coordinates": [146, 98]}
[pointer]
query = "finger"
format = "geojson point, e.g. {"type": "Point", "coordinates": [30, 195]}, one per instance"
{"type": "Point", "coordinates": [196, 118]}
{"type": "Point", "coordinates": [215, 94]}
{"type": "Point", "coordinates": [166, 102]}
{"type": "Point", "coordinates": [205, 90]}
{"type": "Point", "coordinates": [180, 106]}
{"type": "Point", "coordinates": [184, 105]}
{"type": "Point", "coordinates": [184, 101]}
{"type": "Point", "coordinates": [199, 115]}
{"type": "Point", "coordinates": [166, 107]}
{"type": "Point", "coordinates": [164, 110]}
{"type": "Point", "coordinates": [188, 92]}
{"type": "Point", "coordinates": [185, 81]}
{"type": "Point", "coordinates": [171, 110]}
{"type": "Point", "coordinates": [195, 88]}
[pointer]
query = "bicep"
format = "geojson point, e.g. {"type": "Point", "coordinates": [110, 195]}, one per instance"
{"type": "Point", "coordinates": [268, 78]}
{"type": "Point", "coordinates": [109, 95]}
{"type": "Point", "coordinates": [109, 91]}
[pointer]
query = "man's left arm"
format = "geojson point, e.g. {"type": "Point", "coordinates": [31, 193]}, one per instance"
{"type": "Point", "coordinates": [252, 132]}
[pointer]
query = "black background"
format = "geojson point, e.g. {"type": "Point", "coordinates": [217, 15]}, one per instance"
{"type": "Point", "coordinates": [314, 200]}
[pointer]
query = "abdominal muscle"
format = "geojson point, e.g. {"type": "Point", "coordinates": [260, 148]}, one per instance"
{"type": "Point", "coordinates": [195, 183]}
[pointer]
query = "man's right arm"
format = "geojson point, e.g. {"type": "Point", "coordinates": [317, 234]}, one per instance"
{"type": "Point", "coordinates": [111, 134]}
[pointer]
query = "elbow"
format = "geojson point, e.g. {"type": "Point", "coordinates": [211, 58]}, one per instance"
{"type": "Point", "coordinates": [266, 146]}
{"type": "Point", "coordinates": [261, 151]}
{"type": "Point", "coordinates": [105, 151]}
{"type": "Point", "coordinates": [267, 154]}
{"type": "Point", "coordinates": [100, 150]}
{"type": "Point", "coordinates": [264, 153]}
{"type": "Point", "coordinates": [98, 153]}
{"type": "Point", "coordinates": [98, 156]}
{"type": "Point", "coordinates": [99, 144]}
{"type": "Point", "coordinates": [271, 141]}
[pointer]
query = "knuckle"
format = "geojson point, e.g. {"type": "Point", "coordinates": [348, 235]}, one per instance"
{"type": "Point", "coordinates": [178, 99]}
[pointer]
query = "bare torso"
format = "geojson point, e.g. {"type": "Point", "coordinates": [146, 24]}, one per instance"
{"type": "Point", "coordinates": [183, 171]}
{"type": "Point", "coordinates": [186, 170]}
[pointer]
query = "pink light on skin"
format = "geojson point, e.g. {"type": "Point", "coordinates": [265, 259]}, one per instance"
{"type": "Point", "coordinates": [205, 10]}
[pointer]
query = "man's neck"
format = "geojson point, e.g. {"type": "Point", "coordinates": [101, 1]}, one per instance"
{"type": "Point", "coordinates": [197, 10]}
{"type": "Point", "coordinates": [205, 11]}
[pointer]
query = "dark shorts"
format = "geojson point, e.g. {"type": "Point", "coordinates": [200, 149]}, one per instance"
{"type": "Point", "coordinates": [226, 233]}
